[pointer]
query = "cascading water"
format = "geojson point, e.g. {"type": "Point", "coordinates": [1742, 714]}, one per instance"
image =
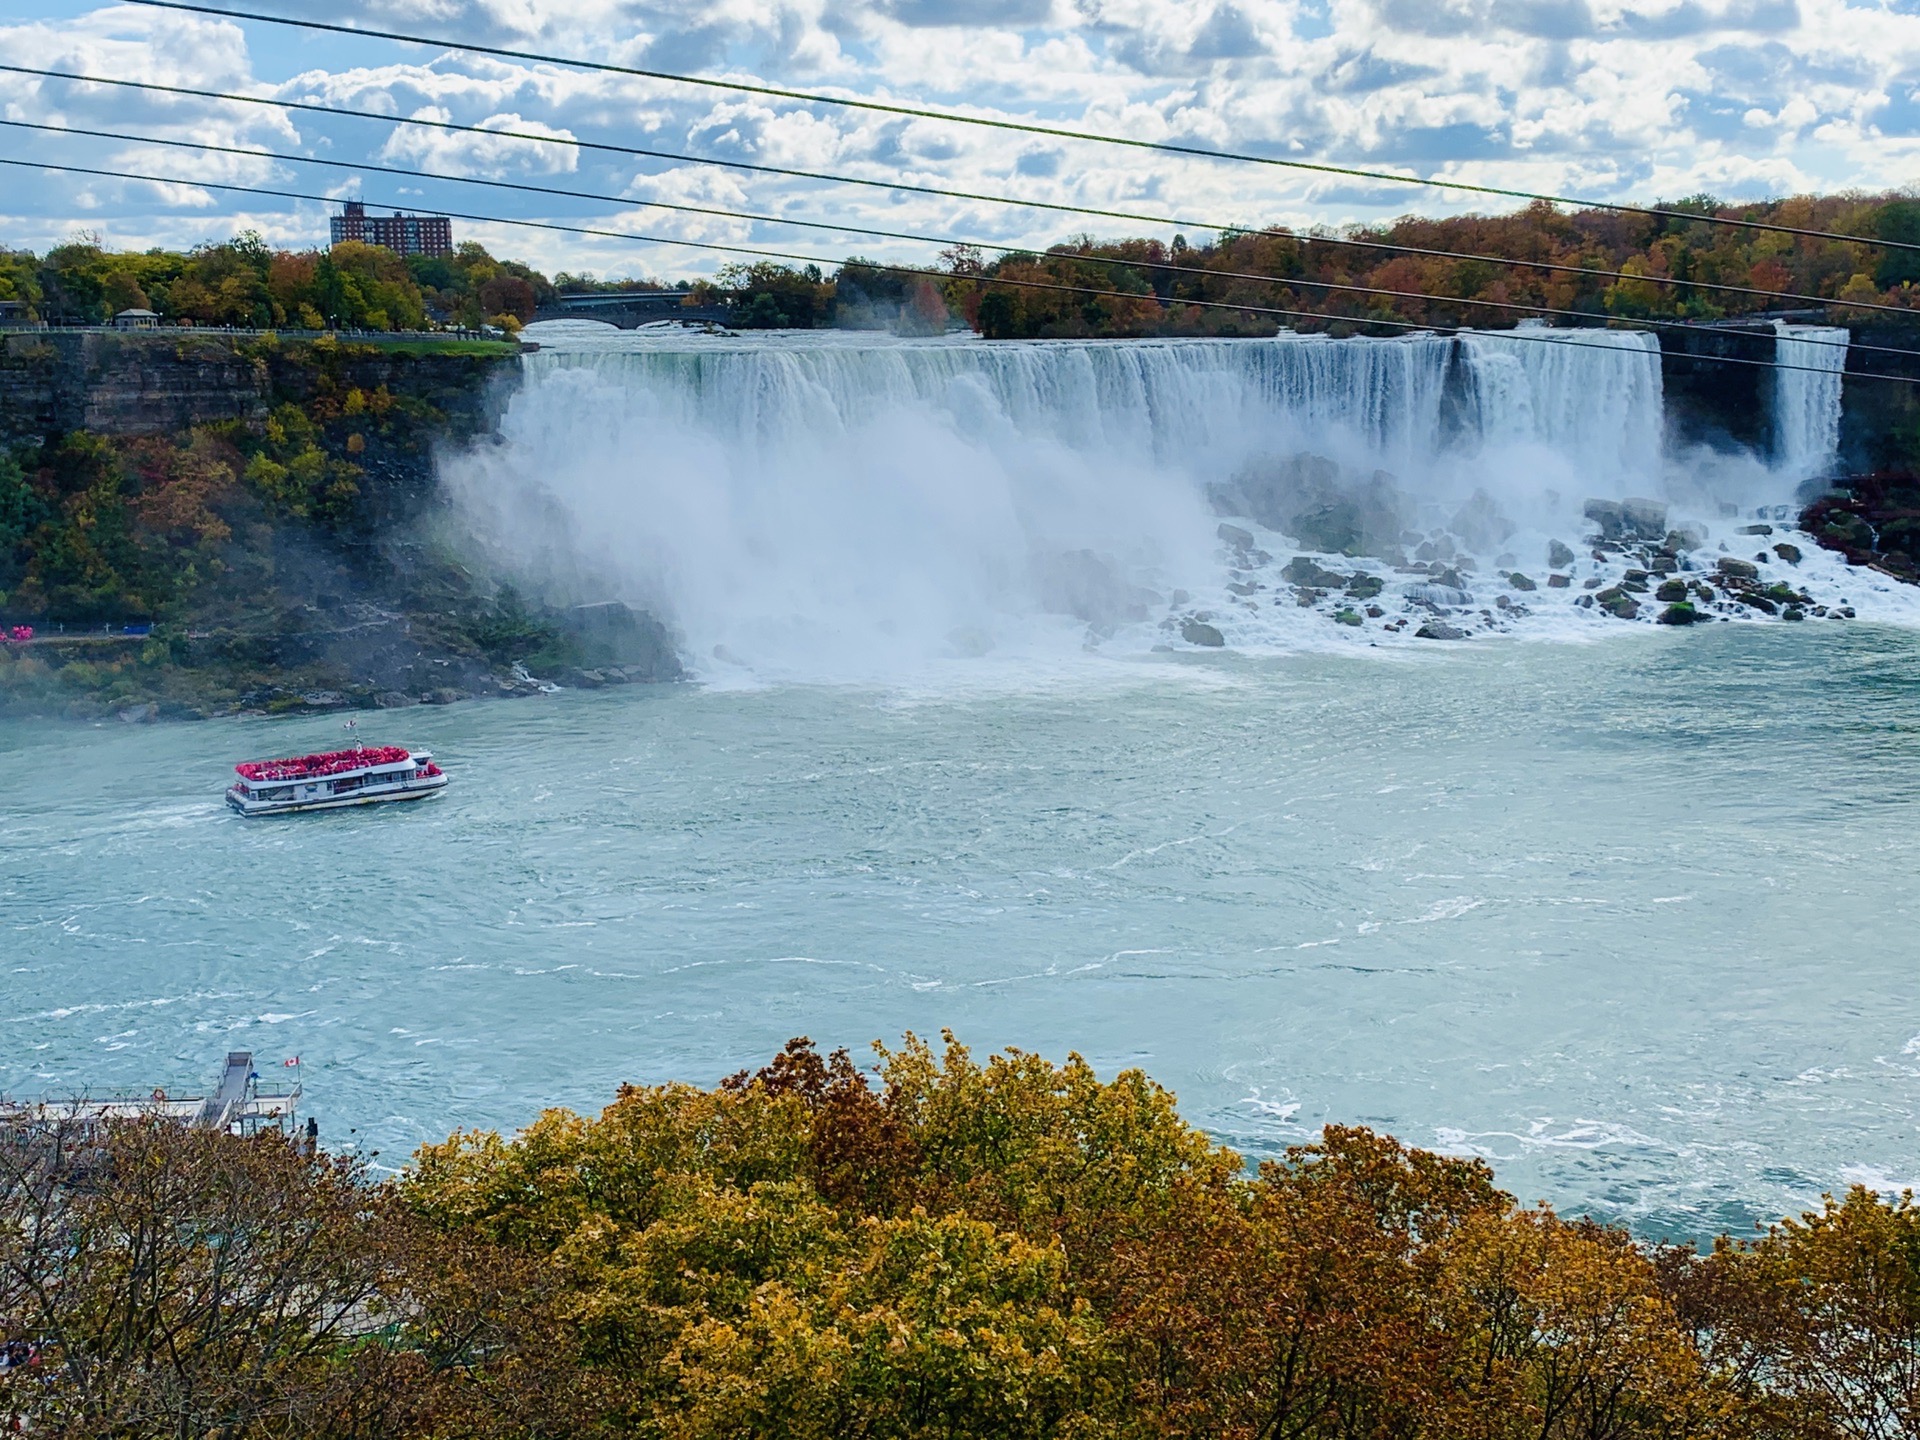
{"type": "Point", "coordinates": [1807, 399]}
{"type": "Point", "coordinates": [823, 505]}
{"type": "Point", "coordinates": [1587, 396]}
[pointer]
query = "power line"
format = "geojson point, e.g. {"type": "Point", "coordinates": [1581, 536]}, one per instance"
{"type": "Point", "coordinates": [1174, 222]}
{"type": "Point", "coordinates": [957, 117]}
{"type": "Point", "coordinates": [1522, 336]}
{"type": "Point", "coordinates": [1285, 282]}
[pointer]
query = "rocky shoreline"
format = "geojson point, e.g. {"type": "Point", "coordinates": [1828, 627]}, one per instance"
{"type": "Point", "coordinates": [1365, 569]}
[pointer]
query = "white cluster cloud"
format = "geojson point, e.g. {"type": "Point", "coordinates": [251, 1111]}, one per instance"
{"type": "Point", "coordinates": [1615, 99]}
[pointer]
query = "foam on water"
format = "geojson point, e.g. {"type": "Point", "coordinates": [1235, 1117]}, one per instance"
{"type": "Point", "coordinates": [826, 506]}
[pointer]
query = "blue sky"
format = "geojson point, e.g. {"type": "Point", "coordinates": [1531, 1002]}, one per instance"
{"type": "Point", "coordinates": [1615, 99]}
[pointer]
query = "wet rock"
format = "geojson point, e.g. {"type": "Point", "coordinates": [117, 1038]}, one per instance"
{"type": "Point", "coordinates": [1616, 602]}
{"type": "Point", "coordinates": [1558, 555]}
{"type": "Point", "coordinates": [1521, 582]}
{"type": "Point", "coordinates": [1448, 576]}
{"type": "Point", "coordinates": [1793, 612]}
{"type": "Point", "coordinates": [1646, 519]}
{"type": "Point", "coordinates": [1758, 602]}
{"type": "Point", "coordinates": [1365, 587]}
{"type": "Point", "coordinates": [1236, 537]}
{"type": "Point", "coordinates": [1347, 617]}
{"type": "Point", "coordinates": [324, 700]}
{"type": "Point", "coordinates": [1198, 632]}
{"type": "Point", "coordinates": [1783, 594]}
{"type": "Point", "coordinates": [1480, 523]}
{"type": "Point", "coordinates": [1788, 552]}
{"type": "Point", "coordinates": [1592, 582]}
{"type": "Point", "coordinates": [1238, 588]}
{"type": "Point", "coordinates": [1178, 598]}
{"type": "Point", "coordinates": [583, 679]}
{"type": "Point", "coordinates": [1754, 530]}
{"type": "Point", "coordinates": [139, 714]}
{"type": "Point", "coordinates": [1439, 630]}
{"type": "Point", "coordinates": [611, 633]}
{"type": "Point", "coordinates": [1374, 612]}
{"type": "Point", "coordinates": [1680, 613]}
{"type": "Point", "coordinates": [1302, 571]}
{"type": "Point", "coordinates": [1734, 569]}
{"type": "Point", "coordinates": [445, 696]}
{"type": "Point", "coordinates": [1632, 519]}
{"type": "Point", "coordinates": [1324, 507]}
{"type": "Point", "coordinates": [1086, 586]}
{"type": "Point", "coordinates": [392, 700]}
{"type": "Point", "coordinates": [1559, 582]}
{"type": "Point", "coordinates": [1686, 537]}
{"type": "Point", "coordinates": [1671, 591]}
{"type": "Point", "coordinates": [1502, 602]}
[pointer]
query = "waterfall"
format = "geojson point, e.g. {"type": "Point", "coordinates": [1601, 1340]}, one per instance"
{"type": "Point", "coordinates": [826, 504]}
{"type": "Point", "coordinates": [1593, 395]}
{"type": "Point", "coordinates": [1807, 399]}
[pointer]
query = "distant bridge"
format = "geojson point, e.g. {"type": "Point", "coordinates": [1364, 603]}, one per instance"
{"type": "Point", "coordinates": [628, 308]}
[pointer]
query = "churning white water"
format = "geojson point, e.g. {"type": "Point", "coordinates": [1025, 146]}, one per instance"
{"type": "Point", "coordinates": [1806, 403]}
{"type": "Point", "coordinates": [822, 505]}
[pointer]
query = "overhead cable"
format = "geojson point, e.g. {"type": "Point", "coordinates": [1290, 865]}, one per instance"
{"type": "Point", "coordinates": [1165, 267]}
{"type": "Point", "coordinates": [1518, 335]}
{"type": "Point", "coordinates": [958, 117]}
{"type": "Point", "coordinates": [1174, 222]}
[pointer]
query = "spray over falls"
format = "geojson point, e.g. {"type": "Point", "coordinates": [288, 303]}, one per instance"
{"type": "Point", "coordinates": [820, 506]}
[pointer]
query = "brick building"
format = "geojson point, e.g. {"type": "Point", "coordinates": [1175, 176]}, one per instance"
{"type": "Point", "coordinates": [403, 234]}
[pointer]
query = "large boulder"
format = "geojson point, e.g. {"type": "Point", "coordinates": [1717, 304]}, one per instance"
{"type": "Point", "coordinates": [1632, 519]}
{"type": "Point", "coordinates": [1198, 632]}
{"type": "Point", "coordinates": [1324, 507]}
{"type": "Point", "coordinates": [1480, 523]}
{"type": "Point", "coordinates": [1302, 571]}
{"type": "Point", "coordinates": [1082, 584]}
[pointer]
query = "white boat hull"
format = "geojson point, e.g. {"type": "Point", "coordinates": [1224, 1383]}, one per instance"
{"type": "Point", "coordinates": [421, 789]}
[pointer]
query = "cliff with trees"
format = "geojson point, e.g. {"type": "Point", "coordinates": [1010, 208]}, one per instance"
{"type": "Point", "coordinates": [939, 1250]}
{"type": "Point", "coordinates": [193, 523]}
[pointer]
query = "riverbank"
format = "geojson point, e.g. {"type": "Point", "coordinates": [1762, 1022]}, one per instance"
{"type": "Point", "coordinates": [1007, 1249]}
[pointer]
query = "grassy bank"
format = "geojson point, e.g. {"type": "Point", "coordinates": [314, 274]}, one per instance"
{"type": "Point", "coordinates": [945, 1249]}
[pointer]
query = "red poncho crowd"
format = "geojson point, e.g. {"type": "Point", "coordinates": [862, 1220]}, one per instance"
{"type": "Point", "coordinates": [313, 767]}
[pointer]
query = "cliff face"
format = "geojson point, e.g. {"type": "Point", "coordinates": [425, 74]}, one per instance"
{"type": "Point", "coordinates": [158, 383]}
{"type": "Point", "coordinates": [260, 505]}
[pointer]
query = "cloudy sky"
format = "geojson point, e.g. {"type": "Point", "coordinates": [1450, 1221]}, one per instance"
{"type": "Point", "coordinates": [1614, 99]}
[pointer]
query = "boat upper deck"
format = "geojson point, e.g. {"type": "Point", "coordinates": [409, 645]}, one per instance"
{"type": "Point", "coordinates": [325, 765]}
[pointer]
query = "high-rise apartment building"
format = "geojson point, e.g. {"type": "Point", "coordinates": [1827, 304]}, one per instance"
{"type": "Point", "coordinates": [403, 234]}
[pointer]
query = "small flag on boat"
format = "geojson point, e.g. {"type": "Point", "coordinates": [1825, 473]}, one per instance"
{"type": "Point", "coordinates": [294, 1061]}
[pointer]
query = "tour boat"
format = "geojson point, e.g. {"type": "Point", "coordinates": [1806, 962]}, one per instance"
{"type": "Point", "coordinates": [334, 779]}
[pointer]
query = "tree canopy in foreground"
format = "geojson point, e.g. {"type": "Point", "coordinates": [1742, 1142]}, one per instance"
{"type": "Point", "coordinates": [953, 1249]}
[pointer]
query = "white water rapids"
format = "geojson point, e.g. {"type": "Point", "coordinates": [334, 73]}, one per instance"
{"type": "Point", "coordinates": [849, 507]}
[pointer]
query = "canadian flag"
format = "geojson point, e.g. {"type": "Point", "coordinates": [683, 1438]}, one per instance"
{"type": "Point", "coordinates": [294, 1061]}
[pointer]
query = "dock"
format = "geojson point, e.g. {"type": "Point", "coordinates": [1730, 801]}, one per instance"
{"type": "Point", "coordinates": [237, 1104]}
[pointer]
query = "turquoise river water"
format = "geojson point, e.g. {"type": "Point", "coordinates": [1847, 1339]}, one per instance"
{"type": "Point", "coordinates": [1634, 919]}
